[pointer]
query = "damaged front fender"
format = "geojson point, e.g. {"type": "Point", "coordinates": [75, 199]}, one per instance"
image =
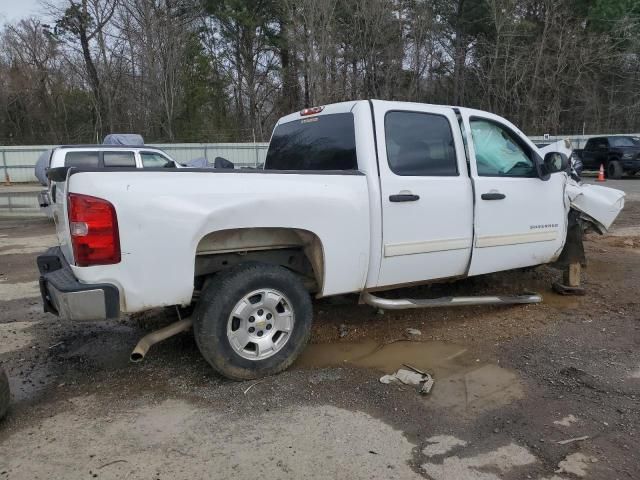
{"type": "Point", "coordinates": [599, 206]}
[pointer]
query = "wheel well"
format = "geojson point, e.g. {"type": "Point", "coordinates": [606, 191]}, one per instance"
{"type": "Point", "coordinates": [296, 249]}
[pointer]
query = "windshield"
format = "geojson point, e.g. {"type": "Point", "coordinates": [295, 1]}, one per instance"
{"type": "Point", "coordinates": [622, 142]}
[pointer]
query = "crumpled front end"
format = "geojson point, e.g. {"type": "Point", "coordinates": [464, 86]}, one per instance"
{"type": "Point", "coordinates": [598, 205]}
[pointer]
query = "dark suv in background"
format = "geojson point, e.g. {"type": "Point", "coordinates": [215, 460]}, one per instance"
{"type": "Point", "coordinates": [619, 155]}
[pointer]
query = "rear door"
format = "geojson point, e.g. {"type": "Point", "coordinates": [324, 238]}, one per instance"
{"type": "Point", "coordinates": [520, 219]}
{"type": "Point", "coordinates": [427, 202]}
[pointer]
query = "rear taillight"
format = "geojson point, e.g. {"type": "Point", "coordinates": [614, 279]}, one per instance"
{"type": "Point", "coordinates": [94, 231]}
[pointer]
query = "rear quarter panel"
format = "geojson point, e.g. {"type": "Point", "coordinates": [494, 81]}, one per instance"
{"type": "Point", "coordinates": [162, 216]}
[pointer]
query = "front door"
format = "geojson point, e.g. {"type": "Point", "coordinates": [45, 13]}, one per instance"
{"type": "Point", "coordinates": [520, 219]}
{"type": "Point", "coordinates": [427, 203]}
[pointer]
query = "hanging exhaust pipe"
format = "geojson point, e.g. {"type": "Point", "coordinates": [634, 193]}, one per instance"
{"type": "Point", "coordinates": [152, 338]}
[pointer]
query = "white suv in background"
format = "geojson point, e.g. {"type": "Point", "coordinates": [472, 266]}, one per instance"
{"type": "Point", "coordinates": [108, 157]}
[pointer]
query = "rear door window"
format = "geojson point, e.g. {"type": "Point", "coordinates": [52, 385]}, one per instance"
{"type": "Point", "coordinates": [82, 159]}
{"type": "Point", "coordinates": [324, 142]}
{"type": "Point", "coordinates": [420, 144]}
{"type": "Point", "coordinates": [119, 160]}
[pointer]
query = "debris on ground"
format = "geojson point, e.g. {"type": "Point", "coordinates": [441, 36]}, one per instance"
{"type": "Point", "coordinates": [344, 330]}
{"type": "Point", "coordinates": [427, 385]}
{"type": "Point", "coordinates": [571, 440]}
{"type": "Point", "coordinates": [410, 377]}
{"type": "Point", "coordinates": [413, 331]}
{"type": "Point", "coordinates": [628, 243]}
{"type": "Point", "coordinates": [404, 376]}
{"type": "Point", "coordinates": [576, 464]}
{"type": "Point", "coordinates": [253, 385]}
{"type": "Point", "coordinates": [566, 421]}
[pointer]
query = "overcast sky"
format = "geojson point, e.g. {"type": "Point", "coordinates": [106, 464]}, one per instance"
{"type": "Point", "coordinates": [13, 10]}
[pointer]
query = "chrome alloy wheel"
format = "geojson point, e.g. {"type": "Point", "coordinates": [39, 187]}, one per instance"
{"type": "Point", "coordinates": [260, 324]}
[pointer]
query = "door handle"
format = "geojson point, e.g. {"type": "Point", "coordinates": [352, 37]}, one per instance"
{"type": "Point", "coordinates": [493, 196]}
{"type": "Point", "coordinates": [404, 197]}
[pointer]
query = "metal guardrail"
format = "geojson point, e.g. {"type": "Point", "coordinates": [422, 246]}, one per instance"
{"type": "Point", "coordinates": [577, 141]}
{"type": "Point", "coordinates": [19, 204]}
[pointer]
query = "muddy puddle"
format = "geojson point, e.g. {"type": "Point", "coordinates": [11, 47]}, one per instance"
{"type": "Point", "coordinates": [463, 383]}
{"type": "Point", "coordinates": [555, 300]}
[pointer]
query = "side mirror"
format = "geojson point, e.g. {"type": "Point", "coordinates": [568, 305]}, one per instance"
{"type": "Point", "coordinates": [555, 162]}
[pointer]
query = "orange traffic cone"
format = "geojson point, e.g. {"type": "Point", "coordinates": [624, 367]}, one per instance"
{"type": "Point", "coordinates": [601, 174]}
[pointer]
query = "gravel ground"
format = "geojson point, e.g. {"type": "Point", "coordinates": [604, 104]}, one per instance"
{"type": "Point", "coordinates": [510, 383]}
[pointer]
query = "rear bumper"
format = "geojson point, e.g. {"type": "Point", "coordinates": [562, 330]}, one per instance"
{"type": "Point", "coordinates": [63, 295]}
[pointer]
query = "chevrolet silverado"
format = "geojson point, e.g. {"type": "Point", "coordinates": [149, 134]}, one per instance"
{"type": "Point", "coordinates": [360, 196]}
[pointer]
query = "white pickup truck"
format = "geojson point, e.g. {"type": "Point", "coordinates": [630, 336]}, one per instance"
{"type": "Point", "coordinates": [359, 196]}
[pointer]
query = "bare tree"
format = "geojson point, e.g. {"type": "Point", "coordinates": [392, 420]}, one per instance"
{"type": "Point", "coordinates": [227, 69]}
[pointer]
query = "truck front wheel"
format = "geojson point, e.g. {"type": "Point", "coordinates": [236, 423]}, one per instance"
{"type": "Point", "coordinates": [252, 320]}
{"type": "Point", "coordinates": [614, 169]}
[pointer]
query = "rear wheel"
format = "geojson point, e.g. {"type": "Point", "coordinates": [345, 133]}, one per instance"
{"type": "Point", "coordinates": [614, 169]}
{"type": "Point", "coordinates": [5, 396]}
{"type": "Point", "coordinates": [253, 320]}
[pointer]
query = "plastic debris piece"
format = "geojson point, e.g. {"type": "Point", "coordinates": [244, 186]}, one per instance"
{"type": "Point", "coordinates": [410, 377]}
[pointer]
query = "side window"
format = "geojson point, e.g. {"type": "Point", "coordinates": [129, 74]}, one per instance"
{"type": "Point", "coordinates": [82, 159]}
{"type": "Point", "coordinates": [590, 144]}
{"type": "Point", "coordinates": [420, 144]}
{"type": "Point", "coordinates": [498, 154]}
{"type": "Point", "coordinates": [119, 159]}
{"type": "Point", "coordinates": [155, 160]}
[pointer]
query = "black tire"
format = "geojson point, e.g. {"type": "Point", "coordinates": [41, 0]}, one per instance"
{"type": "Point", "coordinates": [5, 396]}
{"type": "Point", "coordinates": [614, 170]}
{"type": "Point", "coordinates": [220, 295]}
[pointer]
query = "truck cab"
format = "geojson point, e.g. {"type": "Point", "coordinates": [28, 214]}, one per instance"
{"type": "Point", "coordinates": [451, 189]}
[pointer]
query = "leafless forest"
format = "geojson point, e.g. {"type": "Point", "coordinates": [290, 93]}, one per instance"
{"type": "Point", "coordinates": [225, 70]}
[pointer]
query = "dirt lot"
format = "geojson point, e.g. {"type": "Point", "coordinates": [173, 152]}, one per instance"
{"type": "Point", "coordinates": [511, 384]}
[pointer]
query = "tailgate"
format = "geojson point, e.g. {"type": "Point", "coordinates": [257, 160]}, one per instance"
{"type": "Point", "coordinates": [58, 196]}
